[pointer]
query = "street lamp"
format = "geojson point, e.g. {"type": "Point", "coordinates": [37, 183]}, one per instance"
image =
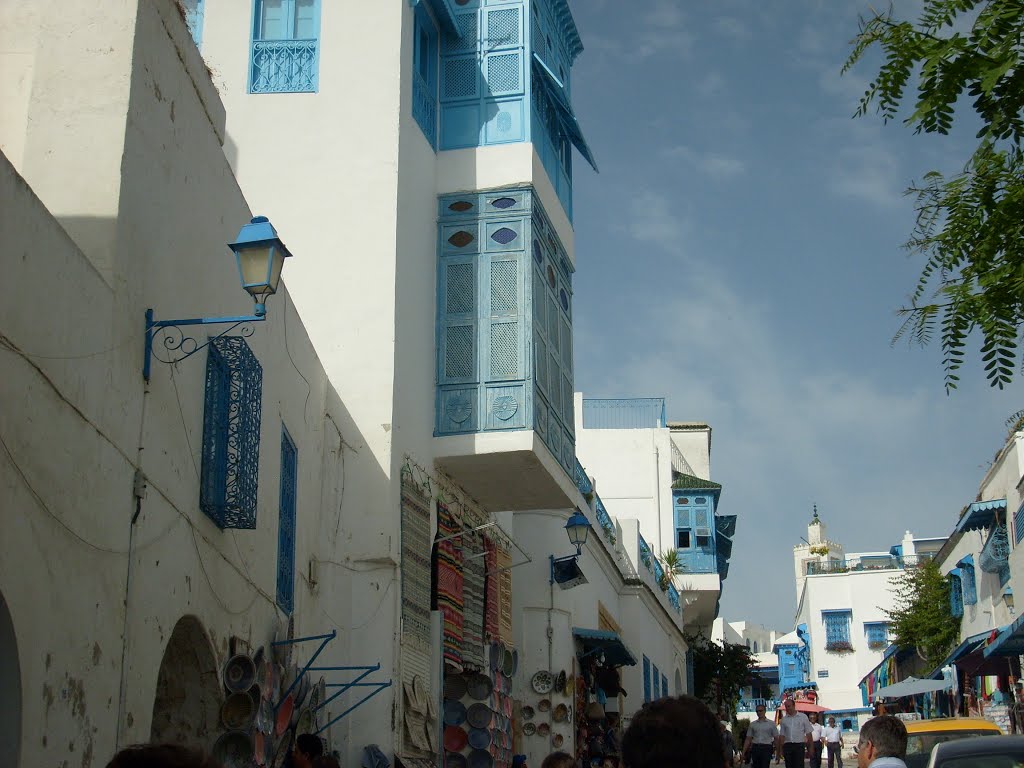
{"type": "Point", "coordinates": [565, 571]}
{"type": "Point", "coordinates": [578, 528]}
{"type": "Point", "coordinates": [260, 256]}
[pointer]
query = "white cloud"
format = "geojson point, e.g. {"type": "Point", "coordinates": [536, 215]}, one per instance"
{"type": "Point", "coordinates": [732, 27]}
{"type": "Point", "coordinates": [714, 164]}
{"type": "Point", "coordinates": [870, 173]}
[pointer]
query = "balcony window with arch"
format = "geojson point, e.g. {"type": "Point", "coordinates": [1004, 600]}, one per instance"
{"type": "Point", "coordinates": [285, 51]}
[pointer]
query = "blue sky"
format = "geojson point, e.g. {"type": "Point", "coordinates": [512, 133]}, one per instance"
{"type": "Point", "coordinates": [739, 254]}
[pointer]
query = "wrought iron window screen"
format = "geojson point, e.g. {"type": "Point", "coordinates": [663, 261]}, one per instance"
{"type": "Point", "coordinates": [837, 629]}
{"type": "Point", "coordinates": [231, 434]}
{"type": "Point", "coordinates": [286, 524]}
{"type": "Point", "coordinates": [956, 596]}
{"type": "Point", "coordinates": [358, 682]}
{"type": "Point", "coordinates": [877, 635]}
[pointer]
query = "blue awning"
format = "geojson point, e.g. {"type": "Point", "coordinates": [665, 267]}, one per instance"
{"type": "Point", "coordinates": [968, 646]}
{"type": "Point", "coordinates": [609, 643]}
{"type": "Point", "coordinates": [979, 515]}
{"type": "Point", "coordinates": [1009, 642]}
{"type": "Point", "coordinates": [555, 90]}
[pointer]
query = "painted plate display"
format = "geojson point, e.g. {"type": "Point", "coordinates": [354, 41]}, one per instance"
{"type": "Point", "coordinates": [239, 673]}
{"type": "Point", "coordinates": [479, 687]}
{"type": "Point", "coordinates": [237, 711]}
{"type": "Point", "coordinates": [479, 738]}
{"type": "Point", "coordinates": [544, 705]}
{"type": "Point", "coordinates": [455, 739]}
{"type": "Point", "coordinates": [480, 758]}
{"type": "Point", "coordinates": [284, 715]}
{"type": "Point", "coordinates": [454, 713]}
{"type": "Point", "coordinates": [233, 749]}
{"type": "Point", "coordinates": [543, 729]}
{"type": "Point", "coordinates": [529, 729]}
{"type": "Point", "coordinates": [557, 740]}
{"type": "Point", "coordinates": [542, 681]}
{"type": "Point", "coordinates": [560, 714]}
{"type": "Point", "coordinates": [454, 686]}
{"type": "Point", "coordinates": [455, 760]}
{"type": "Point", "coordinates": [284, 745]}
{"type": "Point", "coordinates": [305, 722]}
{"type": "Point", "coordinates": [479, 715]}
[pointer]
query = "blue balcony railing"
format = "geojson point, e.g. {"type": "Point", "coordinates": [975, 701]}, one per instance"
{"type": "Point", "coordinates": [673, 598]}
{"type": "Point", "coordinates": [624, 413]}
{"type": "Point", "coordinates": [424, 107]}
{"type": "Point", "coordinates": [749, 705]}
{"type": "Point", "coordinates": [284, 66]}
{"type": "Point", "coordinates": [645, 553]}
{"type": "Point", "coordinates": [818, 567]}
{"type": "Point", "coordinates": [583, 481]}
{"type": "Point", "coordinates": [605, 521]}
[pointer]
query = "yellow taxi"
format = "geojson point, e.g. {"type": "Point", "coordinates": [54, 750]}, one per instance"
{"type": "Point", "coordinates": [922, 735]}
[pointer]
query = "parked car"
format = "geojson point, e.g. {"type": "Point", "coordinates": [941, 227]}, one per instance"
{"type": "Point", "coordinates": [923, 735]}
{"type": "Point", "coordinates": [1001, 752]}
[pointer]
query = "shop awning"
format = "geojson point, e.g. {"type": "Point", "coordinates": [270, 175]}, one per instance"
{"type": "Point", "coordinates": [555, 90]}
{"type": "Point", "coordinates": [967, 647]}
{"type": "Point", "coordinates": [1009, 642]}
{"type": "Point", "coordinates": [609, 643]}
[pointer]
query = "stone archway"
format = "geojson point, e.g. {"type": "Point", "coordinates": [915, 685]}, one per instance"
{"type": "Point", "coordinates": [10, 684]}
{"type": "Point", "coordinates": [186, 708]}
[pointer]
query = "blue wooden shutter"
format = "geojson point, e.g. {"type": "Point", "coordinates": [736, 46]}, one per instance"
{"type": "Point", "coordinates": [505, 349]}
{"type": "Point", "coordinates": [272, 19]}
{"type": "Point", "coordinates": [664, 685]}
{"type": "Point", "coordinates": [654, 680]}
{"type": "Point", "coordinates": [457, 335]}
{"type": "Point", "coordinates": [647, 679]}
{"type": "Point", "coordinates": [306, 20]}
{"type": "Point", "coordinates": [286, 524]}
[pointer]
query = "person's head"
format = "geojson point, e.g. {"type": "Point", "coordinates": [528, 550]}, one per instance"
{"type": "Point", "coordinates": [558, 760]}
{"type": "Point", "coordinates": [882, 736]}
{"type": "Point", "coordinates": [760, 712]}
{"type": "Point", "coordinates": [814, 717]}
{"type": "Point", "coordinates": [832, 722]}
{"type": "Point", "coordinates": [669, 727]}
{"type": "Point", "coordinates": [790, 707]}
{"type": "Point", "coordinates": [161, 756]}
{"type": "Point", "coordinates": [307, 749]}
{"type": "Point", "coordinates": [326, 761]}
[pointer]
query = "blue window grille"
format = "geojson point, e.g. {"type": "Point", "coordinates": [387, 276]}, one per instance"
{"type": "Point", "coordinates": [956, 594]}
{"type": "Point", "coordinates": [647, 679]}
{"type": "Point", "coordinates": [654, 681]}
{"type": "Point", "coordinates": [664, 685]}
{"type": "Point", "coordinates": [968, 580]}
{"type": "Point", "coordinates": [285, 51]}
{"type": "Point", "coordinates": [877, 634]}
{"type": "Point", "coordinates": [231, 434]}
{"type": "Point", "coordinates": [194, 18]}
{"type": "Point", "coordinates": [1018, 524]}
{"type": "Point", "coordinates": [424, 74]}
{"type": "Point", "coordinates": [837, 630]}
{"type": "Point", "coordinates": [286, 524]}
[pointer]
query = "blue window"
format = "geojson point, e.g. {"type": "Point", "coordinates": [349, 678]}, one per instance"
{"type": "Point", "coordinates": [194, 18]}
{"type": "Point", "coordinates": [424, 74]}
{"type": "Point", "coordinates": [231, 434]}
{"type": "Point", "coordinates": [664, 685]}
{"type": "Point", "coordinates": [654, 681]}
{"type": "Point", "coordinates": [956, 594]}
{"type": "Point", "coordinates": [968, 580]}
{"type": "Point", "coordinates": [877, 634]}
{"type": "Point", "coordinates": [1018, 524]}
{"type": "Point", "coordinates": [837, 630]}
{"type": "Point", "coordinates": [647, 679]}
{"type": "Point", "coordinates": [285, 53]}
{"type": "Point", "coordinates": [286, 525]}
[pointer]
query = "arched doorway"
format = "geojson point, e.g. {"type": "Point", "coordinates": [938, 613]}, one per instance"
{"type": "Point", "coordinates": [186, 708]}
{"type": "Point", "coordinates": [10, 684]}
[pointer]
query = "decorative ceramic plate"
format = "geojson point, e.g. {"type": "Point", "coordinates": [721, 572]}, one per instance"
{"type": "Point", "coordinates": [480, 758]}
{"type": "Point", "coordinates": [556, 740]}
{"type": "Point", "coordinates": [479, 738]}
{"type": "Point", "coordinates": [560, 714]}
{"type": "Point", "coordinates": [543, 729]}
{"type": "Point", "coordinates": [454, 712]}
{"type": "Point", "coordinates": [529, 729]}
{"type": "Point", "coordinates": [480, 687]}
{"type": "Point", "coordinates": [542, 681]}
{"type": "Point", "coordinates": [454, 686]}
{"type": "Point", "coordinates": [455, 738]}
{"type": "Point", "coordinates": [478, 715]}
{"type": "Point", "coordinates": [455, 760]}
{"type": "Point", "coordinates": [544, 705]}
{"type": "Point", "coordinates": [527, 713]}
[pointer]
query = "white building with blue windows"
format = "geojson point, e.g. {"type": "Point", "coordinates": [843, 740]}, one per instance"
{"type": "Point", "coordinates": [842, 629]}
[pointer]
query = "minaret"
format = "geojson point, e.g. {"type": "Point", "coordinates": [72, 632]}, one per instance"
{"type": "Point", "coordinates": [815, 548]}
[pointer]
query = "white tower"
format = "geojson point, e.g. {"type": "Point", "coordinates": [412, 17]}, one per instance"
{"type": "Point", "coordinates": [816, 548]}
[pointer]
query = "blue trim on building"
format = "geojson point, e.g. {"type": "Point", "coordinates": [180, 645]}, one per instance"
{"type": "Point", "coordinates": [286, 524]}
{"type": "Point", "coordinates": [284, 47]}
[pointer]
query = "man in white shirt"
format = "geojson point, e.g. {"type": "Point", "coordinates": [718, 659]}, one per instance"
{"type": "Point", "coordinates": [834, 743]}
{"type": "Point", "coordinates": [760, 741]}
{"type": "Point", "coordinates": [817, 740]}
{"type": "Point", "coordinates": [794, 737]}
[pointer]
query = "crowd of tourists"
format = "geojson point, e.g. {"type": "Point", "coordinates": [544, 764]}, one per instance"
{"type": "Point", "coordinates": [675, 730]}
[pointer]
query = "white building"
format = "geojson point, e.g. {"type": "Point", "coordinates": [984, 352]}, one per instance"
{"type": "Point", "coordinates": [417, 159]}
{"type": "Point", "coordinates": [841, 613]}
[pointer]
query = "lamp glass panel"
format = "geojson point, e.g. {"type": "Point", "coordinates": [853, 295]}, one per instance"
{"type": "Point", "coordinates": [254, 265]}
{"type": "Point", "coordinates": [577, 531]}
{"type": "Point", "coordinates": [275, 268]}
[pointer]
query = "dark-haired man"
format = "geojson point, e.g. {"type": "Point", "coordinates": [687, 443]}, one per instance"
{"type": "Point", "coordinates": [883, 743]}
{"type": "Point", "coordinates": [306, 750]}
{"type": "Point", "coordinates": [671, 729]}
{"type": "Point", "coordinates": [760, 741]}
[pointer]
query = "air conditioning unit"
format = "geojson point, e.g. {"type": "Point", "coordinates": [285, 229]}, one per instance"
{"type": "Point", "coordinates": [705, 532]}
